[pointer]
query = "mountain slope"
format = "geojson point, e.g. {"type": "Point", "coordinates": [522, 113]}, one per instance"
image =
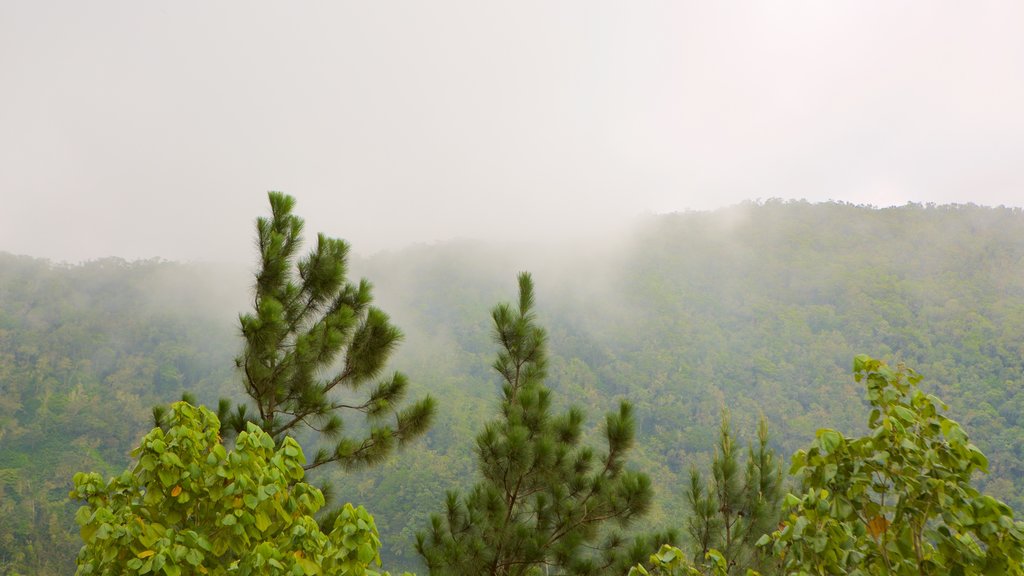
{"type": "Point", "coordinates": [755, 308]}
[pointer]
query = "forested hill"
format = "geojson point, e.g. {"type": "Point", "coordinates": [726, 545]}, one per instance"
{"type": "Point", "coordinates": [85, 352]}
{"type": "Point", "coordinates": [757, 308]}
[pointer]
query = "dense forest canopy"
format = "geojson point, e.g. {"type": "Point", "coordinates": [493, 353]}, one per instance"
{"type": "Point", "coordinates": [758, 308]}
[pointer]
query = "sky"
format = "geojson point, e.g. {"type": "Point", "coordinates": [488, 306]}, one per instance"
{"type": "Point", "coordinates": [145, 129]}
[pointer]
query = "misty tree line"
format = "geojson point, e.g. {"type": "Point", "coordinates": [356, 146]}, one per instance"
{"type": "Point", "coordinates": [595, 363]}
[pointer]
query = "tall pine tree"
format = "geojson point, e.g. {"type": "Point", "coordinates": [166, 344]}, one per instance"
{"type": "Point", "coordinates": [545, 502]}
{"type": "Point", "coordinates": [315, 349]}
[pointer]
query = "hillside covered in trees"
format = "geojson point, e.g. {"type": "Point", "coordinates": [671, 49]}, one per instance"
{"type": "Point", "coordinates": [756, 309]}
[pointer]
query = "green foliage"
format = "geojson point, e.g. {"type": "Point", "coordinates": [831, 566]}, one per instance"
{"type": "Point", "coordinates": [307, 319]}
{"type": "Point", "coordinates": [898, 500]}
{"type": "Point", "coordinates": [81, 348]}
{"type": "Point", "coordinates": [758, 307]}
{"type": "Point", "coordinates": [189, 506]}
{"type": "Point", "coordinates": [545, 498]}
{"type": "Point", "coordinates": [671, 561]}
{"type": "Point", "coordinates": [730, 515]}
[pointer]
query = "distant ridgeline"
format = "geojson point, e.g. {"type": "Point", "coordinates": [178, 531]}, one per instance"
{"type": "Point", "coordinates": [757, 308]}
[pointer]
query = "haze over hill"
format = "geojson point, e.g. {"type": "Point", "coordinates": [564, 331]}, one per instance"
{"type": "Point", "coordinates": [146, 130]}
{"type": "Point", "coordinates": [757, 308]}
{"type": "Point", "coordinates": [692, 184]}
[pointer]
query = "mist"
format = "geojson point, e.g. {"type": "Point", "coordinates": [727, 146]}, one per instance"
{"type": "Point", "coordinates": [755, 309]}
{"type": "Point", "coordinates": [690, 183]}
{"type": "Point", "coordinates": [146, 130]}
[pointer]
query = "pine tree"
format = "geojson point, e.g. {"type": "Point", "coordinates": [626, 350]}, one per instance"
{"type": "Point", "coordinates": [739, 506]}
{"type": "Point", "coordinates": [544, 500]}
{"type": "Point", "coordinates": [314, 342]}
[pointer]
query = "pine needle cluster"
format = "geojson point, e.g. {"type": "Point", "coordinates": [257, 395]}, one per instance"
{"type": "Point", "coordinates": [315, 349]}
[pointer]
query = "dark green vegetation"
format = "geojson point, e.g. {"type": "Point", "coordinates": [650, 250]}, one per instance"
{"type": "Point", "coordinates": [545, 501]}
{"type": "Point", "coordinates": [312, 342]}
{"type": "Point", "coordinates": [738, 505]}
{"type": "Point", "coordinates": [758, 308]}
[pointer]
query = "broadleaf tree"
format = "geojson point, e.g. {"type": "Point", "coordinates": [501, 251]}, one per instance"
{"type": "Point", "coordinates": [315, 350]}
{"type": "Point", "coordinates": [545, 502]}
{"type": "Point", "coordinates": [190, 506]}
{"type": "Point", "coordinates": [898, 500]}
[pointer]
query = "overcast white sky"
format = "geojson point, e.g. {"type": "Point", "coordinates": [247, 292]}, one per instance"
{"type": "Point", "coordinates": [143, 129]}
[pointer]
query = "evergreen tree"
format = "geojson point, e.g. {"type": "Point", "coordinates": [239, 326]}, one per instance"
{"type": "Point", "coordinates": [739, 506]}
{"type": "Point", "coordinates": [544, 500]}
{"type": "Point", "coordinates": [312, 342]}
